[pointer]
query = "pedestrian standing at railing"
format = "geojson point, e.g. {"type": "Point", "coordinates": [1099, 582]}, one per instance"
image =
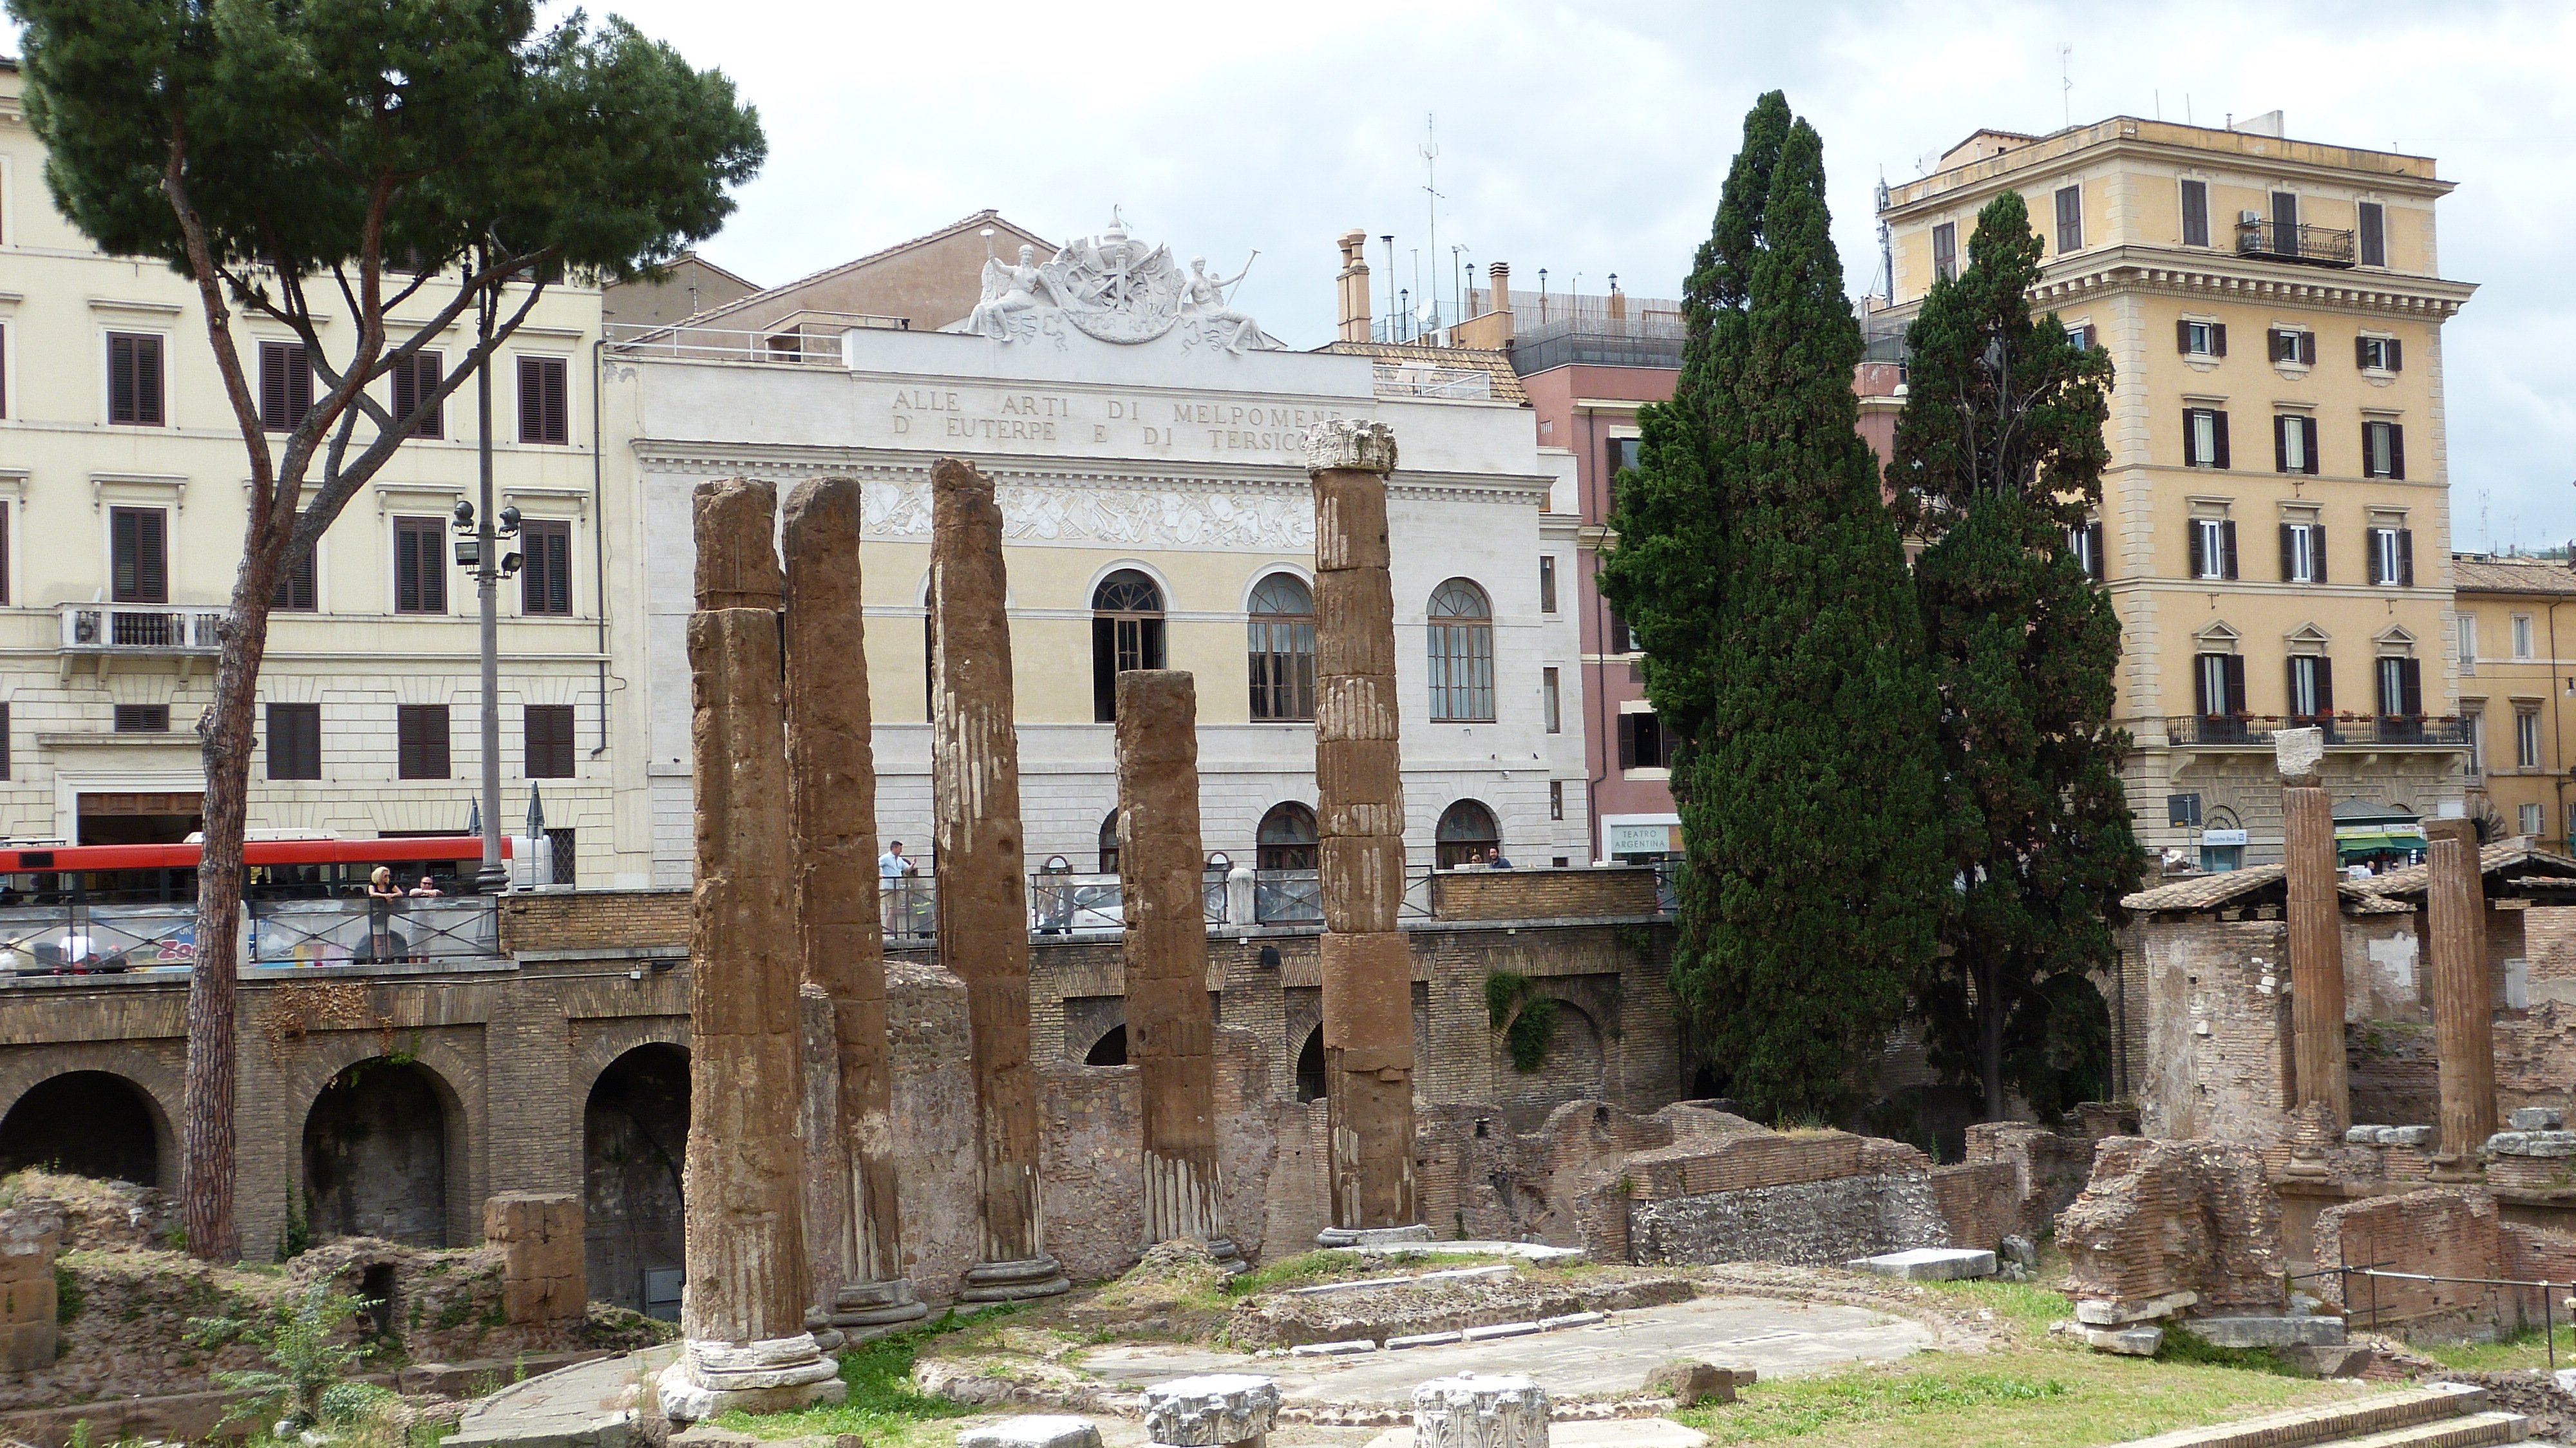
{"type": "Point", "coordinates": [381, 893]}
{"type": "Point", "coordinates": [894, 907]}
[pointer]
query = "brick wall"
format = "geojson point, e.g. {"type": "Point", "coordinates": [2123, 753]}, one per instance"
{"type": "Point", "coordinates": [1811, 1223]}
{"type": "Point", "coordinates": [2217, 1056]}
{"type": "Point", "coordinates": [2168, 1225]}
{"type": "Point", "coordinates": [594, 920]}
{"type": "Point", "coordinates": [2442, 1233]}
{"type": "Point", "coordinates": [1980, 1204]}
{"type": "Point", "coordinates": [1574, 894]}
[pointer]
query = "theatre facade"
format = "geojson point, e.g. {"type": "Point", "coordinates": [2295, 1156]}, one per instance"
{"type": "Point", "coordinates": [1147, 440]}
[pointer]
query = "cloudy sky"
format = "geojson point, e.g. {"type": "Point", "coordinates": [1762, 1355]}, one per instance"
{"type": "Point", "coordinates": [1591, 139]}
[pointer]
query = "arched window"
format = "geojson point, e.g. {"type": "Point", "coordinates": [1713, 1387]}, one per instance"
{"type": "Point", "coordinates": [1109, 844]}
{"type": "Point", "coordinates": [1126, 633]}
{"type": "Point", "coordinates": [1287, 839]}
{"type": "Point", "coordinates": [1467, 835]}
{"type": "Point", "coordinates": [1462, 654]}
{"type": "Point", "coordinates": [1282, 645]}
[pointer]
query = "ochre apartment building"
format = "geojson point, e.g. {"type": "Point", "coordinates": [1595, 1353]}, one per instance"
{"type": "Point", "coordinates": [2517, 663]}
{"type": "Point", "coordinates": [2275, 523]}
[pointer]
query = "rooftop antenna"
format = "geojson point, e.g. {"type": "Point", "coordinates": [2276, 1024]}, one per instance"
{"type": "Point", "coordinates": [1431, 206]}
{"type": "Point", "coordinates": [1389, 239]}
{"type": "Point", "coordinates": [1457, 284]}
{"type": "Point", "coordinates": [2066, 79]}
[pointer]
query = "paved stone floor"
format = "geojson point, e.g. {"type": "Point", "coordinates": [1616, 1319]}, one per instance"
{"type": "Point", "coordinates": [582, 1406]}
{"type": "Point", "coordinates": [1609, 1358]}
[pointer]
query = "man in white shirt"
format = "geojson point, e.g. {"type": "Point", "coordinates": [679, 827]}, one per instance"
{"type": "Point", "coordinates": [892, 865]}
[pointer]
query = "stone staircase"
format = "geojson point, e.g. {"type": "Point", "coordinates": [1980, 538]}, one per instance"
{"type": "Point", "coordinates": [2444, 1415]}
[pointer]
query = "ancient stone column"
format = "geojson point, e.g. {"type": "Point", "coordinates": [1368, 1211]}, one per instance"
{"type": "Point", "coordinates": [983, 896]}
{"type": "Point", "coordinates": [832, 798]}
{"type": "Point", "coordinates": [1162, 880]}
{"type": "Point", "coordinates": [743, 1312]}
{"type": "Point", "coordinates": [1367, 972]}
{"type": "Point", "coordinates": [2463, 997]}
{"type": "Point", "coordinates": [2323, 1106]}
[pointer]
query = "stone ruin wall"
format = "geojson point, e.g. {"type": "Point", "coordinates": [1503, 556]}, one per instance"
{"type": "Point", "coordinates": [2167, 1227]}
{"type": "Point", "coordinates": [2440, 1232]}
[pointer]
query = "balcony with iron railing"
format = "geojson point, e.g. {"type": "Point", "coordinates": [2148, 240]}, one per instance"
{"type": "Point", "coordinates": [2254, 732]}
{"type": "Point", "coordinates": [2290, 241]}
{"type": "Point", "coordinates": [142, 629]}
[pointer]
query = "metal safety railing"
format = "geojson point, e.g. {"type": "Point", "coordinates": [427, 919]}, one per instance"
{"type": "Point", "coordinates": [77, 937]}
{"type": "Point", "coordinates": [2377, 1272]}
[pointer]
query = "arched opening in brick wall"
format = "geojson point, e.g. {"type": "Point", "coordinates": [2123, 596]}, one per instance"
{"type": "Point", "coordinates": [635, 1133]}
{"type": "Point", "coordinates": [375, 1155]}
{"type": "Point", "coordinates": [1109, 1050]}
{"type": "Point", "coordinates": [1573, 1068]}
{"type": "Point", "coordinates": [88, 1123]}
{"type": "Point", "coordinates": [1310, 1067]}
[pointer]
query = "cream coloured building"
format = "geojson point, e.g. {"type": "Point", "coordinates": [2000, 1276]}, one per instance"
{"type": "Point", "coordinates": [123, 492]}
{"type": "Point", "coordinates": [2517, 663]}
{"type": "Point", "coordinates": [1148, 451]}
{"type": "Point", "coordinates": [2275, 519]}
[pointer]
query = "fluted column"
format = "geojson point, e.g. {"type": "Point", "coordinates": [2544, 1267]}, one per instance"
{"type": "Point", "coordinates": [1162, 877]}
{"type": "Point", "coordinates": [742, 1313]}
{"type": "Point", "coordinates": [1367, 971]}
{"type": "Point", "coordinates": [983, 896]}
{"type": "Point", "coordinates": [2463, 996]}
{"type": "Point", "coordinates": [832, 794]}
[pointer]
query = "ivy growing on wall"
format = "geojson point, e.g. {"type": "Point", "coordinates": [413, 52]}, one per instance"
{"type": "Point", "coordinates": [1527, 1034]}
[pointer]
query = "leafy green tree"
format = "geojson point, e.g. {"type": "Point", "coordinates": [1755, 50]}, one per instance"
{"type": "Point", "coordinates": [309, 1363]}
{"type": "Point", "coordinates": [299, 158]}
{"type": "Point", "coordinates": [1998, 461]}
{"type": "Point", "coordinates": [1763, 578]}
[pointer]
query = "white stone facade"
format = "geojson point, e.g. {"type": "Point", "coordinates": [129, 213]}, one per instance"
{"type": "Point", "coordinates": [1169, 457]}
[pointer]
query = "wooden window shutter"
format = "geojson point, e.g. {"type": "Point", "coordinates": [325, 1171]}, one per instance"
{"type": "Point", "coordinates": [2396, 354]}
{"type": "Point", "coordinates": [1627, 741]}
{"type": "Point", "coordinates": [545, 577]}
{"type": "Point", "coordinates": [2361, 352]}
{"type": "Point", "coordinates": [2093, 551]}
{"type": "Point", "coordinates": [2199, 560]}
{"type": "Point", "coordinates": [420, 579]}
{"type": "Point", "coordinates": [413, 380]}
{"type": "Point", "coordinates": [2289, 573]}
{"type": "Point", "coordinates": [2368, 461]}
{"type": "Point", "coordinates": [2227, 542]}
{"type": "Point", "coordinates": [2397, 451]}
{"type": "Point", "coordinates": [2308, 440]}
{"type": "Point", "coordinates": [2290, 695]}
{"type": "Point", "coordinates": [295, 592]}
{"type": "Point", "coordinates": [2235, 667]}
{"type": "Point", "coordinates": [2317, 548]}
{"type": "Point", "coordinates": [141, 563]}
{"type": "Point", "coordinates": [2308, 348]}
{"type": "Point", "coordinates": [272, 386]}
{"type": "Point", "coordinates": [2372, 222]}
{"type": "Point", "coordinates": [2182, 337]}
{"type": "Point", "coordinates": [2410, 674]}
{"type": "Point", "coordinates": [421, 741]}
{"type": "Point", "coordinates": [2218, 339]}
{"type": "Point", "coordinates": [2220, 429]}
{"type": "Point", "coordinates": [4, 564]}
{"type": "Point", "coordinates": [544, 403]}
{"type": "Point", "coordinates": [2406, 558]}
{"type": "Point", "coordinates": [120, 380]}
{"type": "Point", "coordinates": [4, 742]}
{"type": "Point", "coordinates": [2201, 702]}
{"type": "Point", "coordinates": [2191, 457]}
{"type": "Point", "coordinates": [2325, 675]}
{"type": "Point", "coordinates": [2281, 423]}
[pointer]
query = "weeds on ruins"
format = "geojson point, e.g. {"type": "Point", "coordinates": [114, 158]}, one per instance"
{"type": "Point", "coordinates": [1998, 458]}
{"type": "Point", "coordinates": [298, 160]}
{"type": "Point", "coordinates": [1764, 580]}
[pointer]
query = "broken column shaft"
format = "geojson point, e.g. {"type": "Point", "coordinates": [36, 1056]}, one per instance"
{"type": "Point", "coordinates": [832, 797]}
{"type": "Point", "coordinates": [1162, 878]}
{"type": "Point", "coordinates": [2316, 950]}
{"type": "Point", "coordinates": [1367, 971]}
{"type": "Point", "coordinates": [743, 1312]}
{"type": "Point", "coordinates": [2463, 996]}
{"type": "Point", "coordinates": [982, 894]}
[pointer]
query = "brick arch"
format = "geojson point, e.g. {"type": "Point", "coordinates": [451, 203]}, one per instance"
{"type": "Point", "coordinates": [468, 1128]}
{"type": "Point", "coordinates": [156, 1070]}
{"type": "Point", "coordinates": [600, 1049]}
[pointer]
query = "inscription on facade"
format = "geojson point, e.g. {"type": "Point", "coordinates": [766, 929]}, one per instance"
{"type": "Point", "coordinates": [991, 416]}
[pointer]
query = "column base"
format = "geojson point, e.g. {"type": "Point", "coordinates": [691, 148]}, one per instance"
{"type": "Point", "coordinates": [774, 1375]}
{"type": "Point", "coordinates": [877, 1304]}
{"type": "Point", "coordinates": [1229, 1257]}
{"type": "Point", "coordinates": [2456, 1169]}
{"type": "Point", "coordinates": [1370, 1236]}
{"type": "Point", "coordinates": [1019, 1281]}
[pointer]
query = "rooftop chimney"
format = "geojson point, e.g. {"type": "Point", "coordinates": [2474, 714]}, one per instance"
{"type": "Point", "coordinates": [1352, 287]}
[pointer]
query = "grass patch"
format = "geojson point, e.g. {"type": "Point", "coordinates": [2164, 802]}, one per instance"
{"type": "Point", "coordinates": [2045, 1395]}
{"type": "Point", "coordinates": [2527, 1349]}
{"type": "Point", "coordinates": [1331, 1262]}
{"type": "Point", "coordinates": [883, 1406]}
{"type": "Point", "coordinates": [2030, 1308]}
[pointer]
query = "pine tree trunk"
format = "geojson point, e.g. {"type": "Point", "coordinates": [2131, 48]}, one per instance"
{"type": "Point", "coordinates": [225, 734]}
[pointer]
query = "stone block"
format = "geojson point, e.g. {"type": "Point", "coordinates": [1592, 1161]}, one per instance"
{"type": "Point", "coordinates": [2021, 1250]}
{"type": "Point", "coordinates": [1688, 1382]}
{"type": "Point", "coordinates": [1571, 1319]}
{"type": "Point", "coordinates": [2258, 1331]}
{"type": "Point", "coordinates": [544, 1273]}
{"type": "Point", "coordinates": [1425, 1339]}
{"type": "Point", "coordinates": [2550, 1143]}
{"type": "Point", "coordinates": [2126, 1341]}
{"type": "Point", "coordinates": [2100, 1312]}
{"type": "Point", "coordinates": [1929, 1264]}
{"type": "Point", "coordinates": [1333, 1349]}
{"type": "Point", "coordinates": [2417, 1136]}
{"type": "Point", "coordinates": [1473, 1410]}
{"type": "Point", "coordinates": [2362, 1135]}
{"type": "Point", "coordinates": [2336, 1360]}
{"type": "Point", "coordinates": [1492, 1331]}
{"type": "Point", "coordinates": [1034, 1430]}
{"type": "Point", "coordinates": [2537, 1118]}
{"type": "Point", "coordinates": [1210, 1410]}
{"type": "Point", "coordinates": [2298, 753]}
{"type": "Point", "coordinates": [2507, 1143]}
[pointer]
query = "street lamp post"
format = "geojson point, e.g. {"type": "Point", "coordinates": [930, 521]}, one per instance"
{"type": "Point", "coordinates": [481, 554]}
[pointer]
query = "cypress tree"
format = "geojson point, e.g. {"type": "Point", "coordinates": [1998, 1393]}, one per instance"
{"type": "Point", "coordinates": [1765, 582]}
{"type": "Point", "coordinates": [1998, 460]}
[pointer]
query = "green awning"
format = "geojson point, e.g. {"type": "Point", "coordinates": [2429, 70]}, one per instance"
{"type": "Point", "coordinates": [2354, 844]}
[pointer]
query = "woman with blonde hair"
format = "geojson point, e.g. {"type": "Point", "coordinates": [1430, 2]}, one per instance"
{"type": "Point", "coordinates": [380, 926]}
